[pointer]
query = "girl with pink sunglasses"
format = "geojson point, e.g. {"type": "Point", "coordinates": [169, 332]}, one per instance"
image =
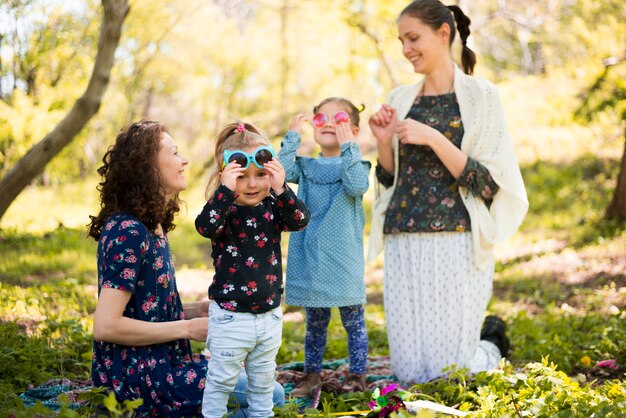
{"type": "Point", "coordinates": [325, 261]}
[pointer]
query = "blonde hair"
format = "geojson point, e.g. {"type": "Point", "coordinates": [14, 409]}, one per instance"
{"type": "Point", "coordinates": [232, 137]}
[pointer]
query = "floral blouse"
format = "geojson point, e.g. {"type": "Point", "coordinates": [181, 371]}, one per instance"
{"type": "Point", "coordinates": [426, 197]}
{"type": "Point", "coordinates": [246, 247]}
{"type": "Point", "coordinates": [166, 376]}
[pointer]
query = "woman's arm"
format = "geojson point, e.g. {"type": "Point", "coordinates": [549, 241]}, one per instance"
{"type": "Point", "coordinates": [469, 173]}
{"type": "Point", "coordinates": [452, 157]}
{"type": "Point", "coordinates": [410, 131]}
{"type": "Point", "coordinates": [110, 325]}
{"type": "Point", "coordinates": [385, 157]}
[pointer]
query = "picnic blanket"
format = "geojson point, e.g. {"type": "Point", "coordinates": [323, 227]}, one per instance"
{"type": "Point", "coordinates": [333, 374]}
{"type": "Point", "coordinates": [49, 393]}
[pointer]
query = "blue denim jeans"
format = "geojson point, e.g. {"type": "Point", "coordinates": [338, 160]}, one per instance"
{"type": "Point", "coordinates": [239, 398]}
{"type": "Point", "coordinates": [236, 337]}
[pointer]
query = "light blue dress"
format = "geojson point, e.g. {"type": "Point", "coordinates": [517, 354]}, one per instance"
{"type": "Point", "coordinates": [325, 260]}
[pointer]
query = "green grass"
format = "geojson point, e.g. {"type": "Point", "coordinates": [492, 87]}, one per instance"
{"type": "Point", "coordinates": [32, 257]}
{"type": "Point", "coordinates": [567, 199]}
{"type": "Point", "coordinates": [562, 302]}
{"type": "Point", "coordinates": [559, 283]}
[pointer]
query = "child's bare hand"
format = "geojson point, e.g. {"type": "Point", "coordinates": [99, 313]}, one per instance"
{"type": "Point", "coordinates": [277, 175]}
{"type": "Point", "coordinates": [344, 133]}
{"type": "Point", "coordinates": [230, 174]}
{"type": "Point", "coordinates": [296, 123]}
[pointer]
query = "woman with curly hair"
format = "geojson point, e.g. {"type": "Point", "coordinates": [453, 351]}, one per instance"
{"type": "Point", "coordinates": [141, 329]}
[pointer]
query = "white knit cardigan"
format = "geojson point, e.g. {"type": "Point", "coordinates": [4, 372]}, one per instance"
{"type": "Point", "coordinates": [486, 140]}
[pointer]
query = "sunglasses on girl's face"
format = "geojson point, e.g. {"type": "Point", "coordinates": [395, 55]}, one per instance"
{"type": "Point", "coordinates": [259, 157]}
{"type": "Point", "coordinates": [321, 119]}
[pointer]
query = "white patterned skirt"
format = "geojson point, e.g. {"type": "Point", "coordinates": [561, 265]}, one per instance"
{"type": "Point", "coordinates": [435, 301]}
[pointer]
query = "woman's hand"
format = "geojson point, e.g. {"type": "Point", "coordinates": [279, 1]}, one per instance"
{"type": "Point", "coordinates": [230, 174]}
{"type": "Point", "coordinates": [110, 324]}
{"type": "Point", "coordinates": [197, 329]}
{"type": "Point", "coordinates": [296, 123]}
{"type": "Point", "coordinates": [277, 175]}
{"type": "Point", "coordinates": [383, 123]}
{"type": "Point", "coordinates": [410, 131]}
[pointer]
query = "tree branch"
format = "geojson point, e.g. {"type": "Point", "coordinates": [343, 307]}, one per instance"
{"type": "Point", "coordinates": [35, 160]}
{"type": "Point", "coordinates": [379, 51]}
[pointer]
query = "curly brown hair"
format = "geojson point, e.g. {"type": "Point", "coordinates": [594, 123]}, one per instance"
{"type": "Point", "coordinates": [130, 180]}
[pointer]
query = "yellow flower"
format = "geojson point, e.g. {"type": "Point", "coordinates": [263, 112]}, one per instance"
{"type": "Point", "coordinates": [615, 390]}
{"type": "Point", "coordinates": [586, 361]}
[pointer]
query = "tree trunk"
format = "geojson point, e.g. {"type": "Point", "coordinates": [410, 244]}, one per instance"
{"type": "Point", "coordinates": [35, 160]}
{"type": "Point", "coordinates": [617, 207]}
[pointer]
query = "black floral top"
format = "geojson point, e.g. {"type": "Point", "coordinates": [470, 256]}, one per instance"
{"type": "Point", "coordinates": [426, 197]}
{"type": "Point", "coordinates": [246, 247]}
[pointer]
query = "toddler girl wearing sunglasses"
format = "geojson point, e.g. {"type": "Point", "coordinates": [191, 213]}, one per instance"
{"type": "Point", "coordinates": [325, 261]}
{"type": "Point", "coordinates": [249, 205]}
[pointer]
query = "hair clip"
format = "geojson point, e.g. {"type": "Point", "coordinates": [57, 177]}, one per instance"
{"type": "Point", "coordinates": [361, 107]}
{"type": "Point", "coordinates": [240, 128]}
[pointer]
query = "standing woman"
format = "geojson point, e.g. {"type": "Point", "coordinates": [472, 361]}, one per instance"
{"type": "Point", "coordinates": [141, 331]}
{"type": "Point", "coordinates": [452, 189]}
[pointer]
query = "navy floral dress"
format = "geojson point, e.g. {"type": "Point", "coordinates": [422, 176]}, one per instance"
{"type": "Point", "coordinates": [167, 376]}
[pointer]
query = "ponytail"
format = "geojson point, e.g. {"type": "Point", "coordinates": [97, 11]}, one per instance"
{"type": "Point", "coordinates": [468, 57]}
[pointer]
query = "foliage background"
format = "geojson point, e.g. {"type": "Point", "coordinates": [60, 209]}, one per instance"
{"type": "Point", "coordinates": [196, 64]}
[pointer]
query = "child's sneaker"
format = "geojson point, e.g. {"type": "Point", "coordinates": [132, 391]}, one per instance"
{"type": "Point", "coordinates": [494, 330]}
{"type": "Point", "coordinates": [305, 388]}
